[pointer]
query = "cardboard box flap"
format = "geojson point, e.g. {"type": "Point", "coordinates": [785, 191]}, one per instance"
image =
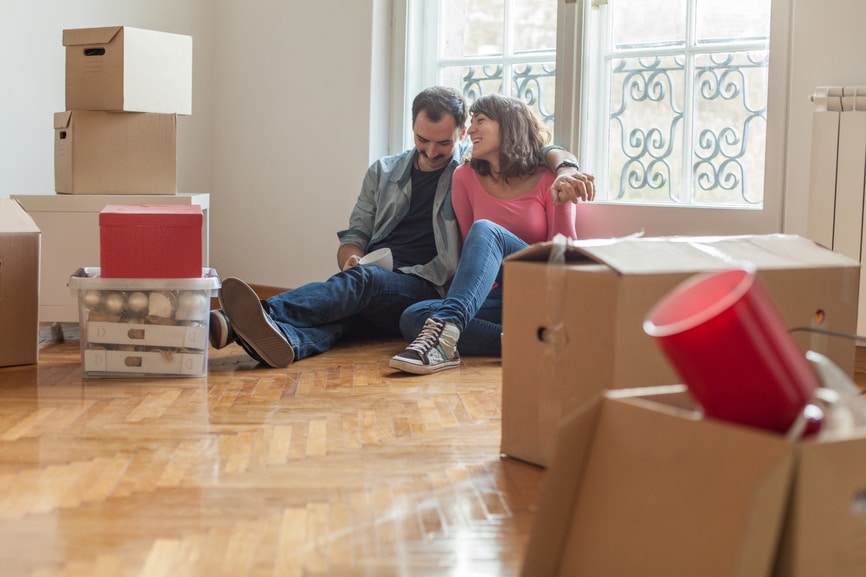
{"type": "Point", "coordinates": [547, 251]}
{"type": "Point", "coordinates": [82, 36]}
{"type": "Point", "coordinates": [62, 119]}
{"type": "Point", "coordinates": [661, 255]}
{"type": "Point", "coordinates": [14, 219]}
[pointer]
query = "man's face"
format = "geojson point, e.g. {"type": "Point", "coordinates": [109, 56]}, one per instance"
{"type": "Point", "coordinates": [435, 141]}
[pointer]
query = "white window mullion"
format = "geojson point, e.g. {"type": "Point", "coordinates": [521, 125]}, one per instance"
{"type": "Point", "coordinates": [685, 192]}
{"type": "Point", "coordinates": [604, 46]}
{"type": "Point", "coordinates": [508, 48]}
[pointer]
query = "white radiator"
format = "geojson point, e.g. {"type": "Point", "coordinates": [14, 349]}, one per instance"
{"type": "Point", "coordinates": [837, 182]}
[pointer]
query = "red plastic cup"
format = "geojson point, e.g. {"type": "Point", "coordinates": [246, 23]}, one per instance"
{"type": "Point", "coordinates": [729, 344]}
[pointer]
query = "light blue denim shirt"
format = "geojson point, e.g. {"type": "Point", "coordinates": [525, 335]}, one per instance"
{"type": "Point", "coordinates": [384, 202]}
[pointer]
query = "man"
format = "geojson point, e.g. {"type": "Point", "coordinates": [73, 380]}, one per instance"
{"type": "Point", "coordinates": [405, 205]}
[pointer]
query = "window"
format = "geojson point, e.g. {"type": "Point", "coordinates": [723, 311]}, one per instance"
{"type": "Point", "coordinates": [665, 101]}
{"type": "Point", "coordinates": [486, 46]}
{"type": "Point", "coordinates": [680, 94]}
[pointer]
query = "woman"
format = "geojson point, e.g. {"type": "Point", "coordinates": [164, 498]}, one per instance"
{"type": "Point", "coordinates": [503, 204]}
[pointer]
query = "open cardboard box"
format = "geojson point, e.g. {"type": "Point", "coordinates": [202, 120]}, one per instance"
{"type": "Point", "coordinates": [642, 485]}
{"type": "Point", "coordinates": [573, 317]}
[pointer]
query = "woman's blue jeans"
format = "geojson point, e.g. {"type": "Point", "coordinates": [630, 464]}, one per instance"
{"type": "Point", "coordinates": [470, 304]}
{"type": "Point", "coordinates": [365, 300]}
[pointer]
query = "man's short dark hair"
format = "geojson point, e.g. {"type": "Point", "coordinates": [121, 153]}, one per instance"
{"type": "Point", "coordinates": [438, 100]}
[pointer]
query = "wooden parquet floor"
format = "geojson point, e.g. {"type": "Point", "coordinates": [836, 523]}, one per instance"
{"type": "Point", "coordinates": [336, 465]}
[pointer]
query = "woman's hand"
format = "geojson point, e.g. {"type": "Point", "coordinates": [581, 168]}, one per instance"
{"type": "Point", "coordinates": [573, 186]}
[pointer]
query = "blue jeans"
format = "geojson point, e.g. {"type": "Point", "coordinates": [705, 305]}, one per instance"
{"type": "Point", "coordinates": [470, 304]}
{"type": "Point", "coordinates": [363, 300]}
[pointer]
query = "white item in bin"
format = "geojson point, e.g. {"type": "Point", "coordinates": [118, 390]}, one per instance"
{"type": "Point", "coordinates": [137, 334]}
{"type": "Point", "coordinates": [92, 298]}
{"type": "Point", "coordinates": [192, 306]}
{"type": "Point", "coordinates": [137, 302]}
{"type": "Point", "coordinates": [114, 303]}
{"type": "Point", "coordinates": [161, 305]}
{"type": "Point", "coordinates": [155, 363]}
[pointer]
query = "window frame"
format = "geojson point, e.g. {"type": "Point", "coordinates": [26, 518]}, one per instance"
{"type": "Point", "coordinates": [602, 219]}
{"type": "Point", "coordinates": [611, 218]}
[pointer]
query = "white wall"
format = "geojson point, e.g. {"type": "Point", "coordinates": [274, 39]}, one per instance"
{"type": "Point", "coordinates": [292, 91]}
{"type": "Point", "coordinates": [829, 48]}
{"type": "Point", "coordinates": [290, 106]}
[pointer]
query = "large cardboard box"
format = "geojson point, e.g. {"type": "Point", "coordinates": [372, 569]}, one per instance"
{"type": "Point", "coordinates": [641, 485]}
{"type": "Point", "coordinates": [150, 241]}
{"type": "Point", "coordinates": [120, 68]}
{"type": "Point", "coordinates": [573, 325]}
{"type": "Point", "coordinates": [70, 238]}
{"type": "Point", "coordinates": [115, 153]}
{"type": "Point", "coordinates": [20, 250]}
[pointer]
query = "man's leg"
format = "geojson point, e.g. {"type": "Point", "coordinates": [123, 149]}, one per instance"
{"type": "Point", "coordinates": [313, 317]}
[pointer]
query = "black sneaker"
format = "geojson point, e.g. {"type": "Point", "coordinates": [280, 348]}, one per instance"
{"type": "Point", "coordinates": [434, 350]}
{"type": "Point", "coordinates": [220, 333]}
{"type": "Point", "coordinates": [252, 325]}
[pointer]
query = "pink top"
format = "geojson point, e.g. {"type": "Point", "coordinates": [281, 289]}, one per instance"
{"type": "Point", "coordinates": [533, 217]}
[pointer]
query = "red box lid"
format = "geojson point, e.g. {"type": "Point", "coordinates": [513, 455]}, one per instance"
{"type": "Point", "coordinates": [151, 215]}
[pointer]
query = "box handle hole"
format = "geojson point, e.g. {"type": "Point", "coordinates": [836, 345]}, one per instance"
{"type": "Point", "coordinates": [135, 334]}
{"type": "Point", "coordinates": [94, 51]}
{"type": "Point", "coordinates": [552, 335]}
{"type": "Point", "coordinates": [62, 135]}
{"type": "Point", "coordinates": [858, 504]}
{"type": "Point", "coordinates": [820, 316]}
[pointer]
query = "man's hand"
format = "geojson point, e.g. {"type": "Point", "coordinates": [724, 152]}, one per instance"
{"type": "Point", "coordinates": [348, 255]}
{"type": "Point", "coordinates": [572, 185]}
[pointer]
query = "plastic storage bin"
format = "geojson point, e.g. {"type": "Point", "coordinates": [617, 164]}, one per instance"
{"type": "Point", "coordinates": [143, 327]}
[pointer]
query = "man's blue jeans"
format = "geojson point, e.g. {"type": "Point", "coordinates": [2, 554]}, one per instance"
{"type": "Point", "coordinates": [470, 304]}
{"type": "Point", "coordinates": [366, 300]}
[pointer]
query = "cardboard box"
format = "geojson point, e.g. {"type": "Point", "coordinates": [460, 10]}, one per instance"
{"type": "Point", "coordinates": [119, 68]}
{"type": "Point", "coordinates": [130, 327]}
{"type": "Point", "coordinates": [641, 485]}
{"type": "Point", "coordinates": [115, 153]}
{"type": "Point", "coordinates": [20, 251]}
{"type": "Point", "coordinates": [573, 329]}
{"type": "Point", "coordinates": [70, 234]}
{"type": "Point", "coordinates": [150, 241]}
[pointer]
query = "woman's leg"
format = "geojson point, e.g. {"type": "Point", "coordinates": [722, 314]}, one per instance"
{"type": "Point", "coordinates": [479, 269]}
{"type": "Point", "coordinates": [482, 336]}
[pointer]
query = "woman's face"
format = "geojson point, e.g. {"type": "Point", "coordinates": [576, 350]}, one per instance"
{"type": "Point", "coordinates": [484, 133]}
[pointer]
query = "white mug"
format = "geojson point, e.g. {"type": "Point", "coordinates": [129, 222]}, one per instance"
{"type": "Point", "coordinates": [381, 257]}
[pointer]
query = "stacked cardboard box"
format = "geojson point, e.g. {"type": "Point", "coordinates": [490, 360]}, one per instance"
{"type": "Point", "coordinates": [145, 310]}
{"type": "Point", "coordinates": [124, 89]}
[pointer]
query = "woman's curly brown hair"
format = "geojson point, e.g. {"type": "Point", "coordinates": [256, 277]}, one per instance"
{"type": "Point", "coordinates": [522, 136]}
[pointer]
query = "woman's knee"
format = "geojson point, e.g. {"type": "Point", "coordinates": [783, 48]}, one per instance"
{"type": "Point", "coordinates": [483, 226]}
{"type": "Point", "coordinates": [413, 318]}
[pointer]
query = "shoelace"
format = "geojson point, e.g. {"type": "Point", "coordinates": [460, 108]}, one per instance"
{"type": "Point", "coordinates": [428, 337]}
